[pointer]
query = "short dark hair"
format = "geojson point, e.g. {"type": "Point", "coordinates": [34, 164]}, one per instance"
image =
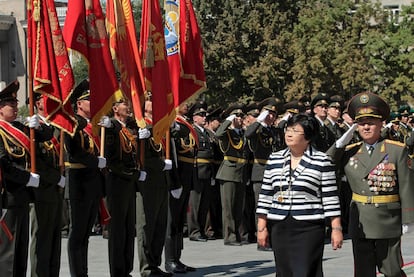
{"type": "Point", "coordinates": [309, 124]}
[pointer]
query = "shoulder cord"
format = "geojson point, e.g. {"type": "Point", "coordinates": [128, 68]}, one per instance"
{"type": "Point", "coordinates": [90, 143]}
{"type": "Point", "coordinates": [127, 140]}
{"type": "Point", "coordinates": [6, 137]}
{"type": "Point", "coordinates": [235, 146]}
{"type": "Point", "coordinates": [187, 147]}
{"type": "Point", "coordinates": [156, 147]}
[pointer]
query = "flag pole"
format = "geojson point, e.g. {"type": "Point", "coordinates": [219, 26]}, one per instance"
{"type": "Point", "coordinates": [31, 108]}
{"type": "Point", "coordinates": [102, 146]}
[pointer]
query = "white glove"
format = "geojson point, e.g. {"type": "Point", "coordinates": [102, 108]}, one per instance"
{"type": "Point", "coordinates": [105, 121]}
{"type": "Point", "coordinates": [176, 193]}
{"type": "Point", "coordinates": [34, 180]}
{"type": "Point", "coordinates": [407, 228]}
{"type": "Point", "coordinates": [101, 162]}
{"type": "Point", "coordinates": [33, 121]}
{"type": "Point", "coordinates": [61, 182]}
{"type": "Point", "coordinates": [262, 116]}
{"type": "Point", "coordinates": [286, 116]}
{"type": "Point", "coordinates": [231, 117]}
{"type": "Point", "coordinates": [167, 165]}
{"type": "Point", "coordinates": [142, 176]}
{"type": "Point", "coordinates": [346, 137]}
{"type": "Point", "coordinates": [213, 181]}
{"type": "Point", "coordinates": [3, 214]}
{"type": "Point", "coordinates": [144, 133]}
{"type": "Point", "coordinates": [389, 125]}
{"type": "Point", "coordinates": [175, 126]}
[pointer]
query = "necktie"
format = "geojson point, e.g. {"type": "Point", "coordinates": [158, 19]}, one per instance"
{"type": "Point", "coordinates": [370, 150]}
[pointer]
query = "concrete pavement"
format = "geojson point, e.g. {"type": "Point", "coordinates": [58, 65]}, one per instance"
{"type": "Point", "coordinates": [212, 258]}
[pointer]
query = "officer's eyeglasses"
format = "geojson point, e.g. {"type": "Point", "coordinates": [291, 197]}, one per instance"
{"type": "Point", "coordinates": [293, 131]}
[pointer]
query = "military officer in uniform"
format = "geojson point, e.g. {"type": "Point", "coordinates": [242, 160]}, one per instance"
{"type": "Point", "coordinates": [86, 181]}
{"type": "Point", "coordinates": [231, 172]}
{"type": "Point", "coordinates": [334, 115]}
{"type": "Point", "coordinates": [185, 147]}
{"type": "Point", "coordinates": [16, 182]}
{"type": "Point", "coordinates": [46, 213]}
{"type": "Point", "coordinates": [264, 138]}
{"type": "Point", "coordinates": [320, 104]}
{"type": "Point", "coordinates": [382, 190]}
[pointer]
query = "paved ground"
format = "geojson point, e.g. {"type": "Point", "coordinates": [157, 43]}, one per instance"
{"type": "Point", "coordinates": [212, 258]}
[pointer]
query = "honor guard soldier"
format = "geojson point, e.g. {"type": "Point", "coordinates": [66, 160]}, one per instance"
{"type": "Point", "coordinates": [86, 181]}
{"type": "Point", "coordinates": [46, 213]}
{"type": "Point", "coordinates": [264, 138]}
{"type": "Point", "coordinates": [382, 190]}
{"type": "Point", "coordinates": [320, 106]}
{"type": "Point", "coordinates": [121, 153]}
{"type": "Point", "coordinates": [152, 202]}
{"type": "Point", "coordinates": [17, 183]}
{"type": "Point", "coordinates": [185, 148]}
{"type": "Point", "coordinates": [200, 194]}
{"type": "Point", "coordinates": [334, 115]}
{"type": "Point", "coordinates": [231, 172]}
{"type": "Point", "coordinates": [291, 108]}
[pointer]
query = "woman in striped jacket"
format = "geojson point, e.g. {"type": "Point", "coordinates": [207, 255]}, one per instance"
{"type": "Point", "coordinates": [298, 193]}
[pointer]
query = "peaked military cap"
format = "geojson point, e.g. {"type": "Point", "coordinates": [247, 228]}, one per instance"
{"type": "Point", "coordinates": [214, 114]}
{"type": "Point", "coordinates": [253, 109]}
{"type": "Point", "coordinates": [321, 99]}
{"type": "Point", "coordinates": [305, 100]}
{"type": "Point", "coordinates": [198, 108]}
{"type": "Point", "coordinates": [234, 108]}
{"type": "Point", "coordinates": [81, 91]}
{"type": "Point", "coordinates": [36, 97]}
{"type": "Point", "coordinates": [9, 93]}
{"type": "Point", "coordinates": [395, 117]}
{"type": "Point", "coordinates": [367, 104]}
{"type": "Point", "coordinates": [404, 110]}
{"type": "Point", "coordinates": [271, 104]}
{"type": "Point", "coordinates": [336, 101]}
{"type": "Point", "coordinates": [294, 107]}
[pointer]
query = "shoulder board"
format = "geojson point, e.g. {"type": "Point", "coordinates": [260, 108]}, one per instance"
{"type": "Point", "coordinates": [390, 141]}
{"type": "Point", "coordinates": [353, 145]}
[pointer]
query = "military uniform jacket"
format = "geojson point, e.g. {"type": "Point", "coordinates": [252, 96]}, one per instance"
{"type": "Point", "coordinates": [47, 165]}
{"type": "Point", "coordinates": [234, 160]}
{"type": "Point", "coordinates": [14, 159]}
{"type": "Point", "coordinates": [334, 128]}
{"type": "Point", "coordinates": [385, 172]}
{"type": "Point", "coordinates": [186, 147]}
{"type": "Point", "coordinates": [262, 141]}
{"type": "Point", "coordinates": [85, 178]}
{"type": "Point", "coordinates": [325, 137]}
{"type": "Point", "coordinates": [205, 154]}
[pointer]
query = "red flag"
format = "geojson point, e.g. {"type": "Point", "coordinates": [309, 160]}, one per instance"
{"type": "Point", "coordinates": [185, 54]}
{"type": "Point", "coordinates": [155, 65]}
{"type": "Point", "coordinates": [85, 32]}
{"type": "Point", "coordinates": [50, 66]}
{"type": "Point", "coordinates": [124, 49]}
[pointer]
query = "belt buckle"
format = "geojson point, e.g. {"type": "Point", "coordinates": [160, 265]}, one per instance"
{"type": "Point", "coordinates": [369, 199]}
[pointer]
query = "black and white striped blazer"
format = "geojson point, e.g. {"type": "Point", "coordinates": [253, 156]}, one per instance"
{"type": "Point", "coordinates": [309, 193]}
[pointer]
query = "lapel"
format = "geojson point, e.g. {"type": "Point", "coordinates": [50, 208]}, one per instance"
{"type": "Point", "coordinates": [370, 162]}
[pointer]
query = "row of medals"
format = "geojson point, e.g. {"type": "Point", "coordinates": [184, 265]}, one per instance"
{"type": "Point", "coordinates": [382, 178]}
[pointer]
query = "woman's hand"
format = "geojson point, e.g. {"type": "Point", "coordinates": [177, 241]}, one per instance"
{"type": "Point", "coordinates": [337, 238]}
{"type": "Point", "coordinates": [262, 233]}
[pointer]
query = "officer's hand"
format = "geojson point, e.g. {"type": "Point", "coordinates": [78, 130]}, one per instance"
{"type": "Point", "coordinates": [407, 228]}
{"type": "Point", "coordinates": [33, 121]}
{"type": "Point", "coordinates": [33, 180]}
{"type": "Point", "coordinates": [389, 125]}
{"type": "Point", "coordinates": [231, 117]}
{"type": "Point", "coordinates": [142, 176]}
{"type": "Point", "coordinates": [176, 193]}
{"type": "Point", "coordinates": [346, 137]}
{"type": "Point", "coordinates": [286, 116]}
{"type": "Point", "coordinates": [105, 121]}
{"type": "Point", "coordinates": [167, 165]}
{"type": "Point", "coordinates": [262, 116]}
{"type": "Point", "coordinates": [101, 162]}
{"type": "Point", "coordinates": [61, 182]}
{"type": "Point", "coordinates": [213, 182]}
{"type": "Point", "coordinates": [144, 133]}
{"type": "Point", "coordinates": [3, 214]}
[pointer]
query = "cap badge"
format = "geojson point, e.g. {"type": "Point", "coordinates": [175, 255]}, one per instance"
{"type": "Point", "coordinates": [364, 98]}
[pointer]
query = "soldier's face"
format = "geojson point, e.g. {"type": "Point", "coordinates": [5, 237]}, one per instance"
{"type": "Point", "coordinates": [8, 111]}
{"type": "Point", "coordinates": [369, 129]}
{"type": "Point", "coordinates": [321, 111]}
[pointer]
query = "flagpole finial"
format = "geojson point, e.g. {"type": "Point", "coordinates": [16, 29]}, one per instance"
{"type": "Point", "coordinates": [36, 11]}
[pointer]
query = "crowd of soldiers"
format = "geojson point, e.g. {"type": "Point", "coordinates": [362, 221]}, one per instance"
{"type": "Point", "coordinates": [204, 181]}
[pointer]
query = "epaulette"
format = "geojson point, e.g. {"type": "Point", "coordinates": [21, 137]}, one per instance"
{"type": "Point", "coordinates": [390, 141]}
{"type": "Point", "coordinates": [353, 145]}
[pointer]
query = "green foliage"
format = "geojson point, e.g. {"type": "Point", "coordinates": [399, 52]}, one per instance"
{"type": "Point", "coordinates": [291, 48]}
